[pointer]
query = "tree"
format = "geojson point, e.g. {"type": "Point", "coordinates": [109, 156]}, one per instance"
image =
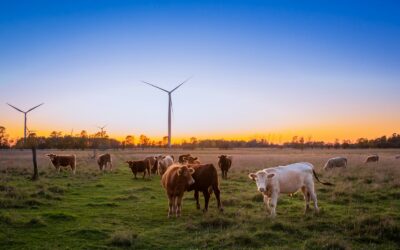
{"type": "Point", "coordinates": [165, 140]}
{"type": "Point", "coordinates": [4, 143]}
{"type": "Point", "coordinates": [129, 141]}
{"type": "Point", "coordinates": [144, 141]}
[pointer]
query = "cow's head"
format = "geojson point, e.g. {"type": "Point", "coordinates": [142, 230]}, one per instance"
{"type": "Point", "coordinates": [261, 178]}
{"type": "Point", "coordinates": [130, 163]}
{"type": "Point", "coordinates": [51, 156]}
{"type": "Point", "coordinates": [186, 173]}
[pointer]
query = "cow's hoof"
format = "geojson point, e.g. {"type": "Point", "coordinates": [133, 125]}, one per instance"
{"type": "Point", "coordinates": [205, 210]}
{"type": "Point", "coordinates": [221, 209]}
{"type": "Point", "coordinates": [198, 206]}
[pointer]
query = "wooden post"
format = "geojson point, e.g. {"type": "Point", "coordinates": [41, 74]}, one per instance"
{"type": "Point", "coordinates": [35, 175]}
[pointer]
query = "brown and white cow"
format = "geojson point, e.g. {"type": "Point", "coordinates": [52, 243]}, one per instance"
{"type": "Point", "coordinates": [63, 161]}
{"type": "Point", "coordinates": [104, 160]}
{"type": "Point", "coordinates": [336, 162]}
{"type": "Point", "coordinates": [287, 180]}
{"type": "Point", "coordinates": [139, 166]}
{"type": "Point", "coordinates": [224, 163]}
{"type": "Point", "coordinates": [372, 158]}
{"type": "Point", "coordinates": [206, 181]}
{"type": "Point", "coordinates": [152, 161]}
{"type": "Point", "coordinates": [175, 181]}
{"type": "Point", "coordinates": [163, 162]}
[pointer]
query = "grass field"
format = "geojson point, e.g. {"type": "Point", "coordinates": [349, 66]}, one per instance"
{"type": "Point", "coordinates": [94, 210]}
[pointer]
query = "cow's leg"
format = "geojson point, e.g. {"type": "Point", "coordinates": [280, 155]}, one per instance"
{"type": "Point", "coordinates": [274, 203]}
{"type": "Point", "coordinates": [135, 174]}
{"type": "Point", "coordinates": [196, 197]}
{"type": "Point", "coordinates": [179, 205]}
{"type": "Point", "coordinates": [111, 166]}
{"type": "Point", "coordinates": [306, 195]}
{"type": "Point", "coordinates": [314, 199]}
{"type": "Point", "coordinates": [217, 193]}
{"type": "Point", "coordinates": [171, 205]}
{"type": "Point", "coordinates": [206, 195]}
{"type": "Point", "coordinates": [144, 173]}
{"type": "Point", "coordinates": [266, 202]}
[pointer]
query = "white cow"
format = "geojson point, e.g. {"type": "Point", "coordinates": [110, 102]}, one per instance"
{"type": "Point", "coordinates": [287, 180]}
{"type": "Point", "coordinates": [163, 162]}
{"type": "Point", "coordinates": [336, 162]}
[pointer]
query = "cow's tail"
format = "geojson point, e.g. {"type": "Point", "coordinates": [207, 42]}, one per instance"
{"type": "Point", "coordinates": [215, 184]}
{"type": "Point", "coordinates": [324, 183]}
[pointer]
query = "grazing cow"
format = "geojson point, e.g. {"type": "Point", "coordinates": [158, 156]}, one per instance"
{"type": "Point", "coordinates": [287, 180]}
{"type": "Point", "coordinates": [336, 162]}
{"type": "Point", "coordinates": [162, 163]}
{"type": "Point", "coordinates": [139, 166]}
{"type": "Point", "coordinates": [63, 161]}
{"type": "Point", "coordinates": [372, 158]}
{"type": "Point", "coordinates": [205, 180]}
{"type": "Point", "coordinates": [104, 160]}
{"type": "Point", "coordinates": [183, 158]}
{"type": "Point", "coordinates": [224, 163]}
{"type": "Point", "coordinates": [175, 181]}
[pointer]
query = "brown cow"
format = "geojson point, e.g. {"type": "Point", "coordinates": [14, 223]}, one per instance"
{"type": "Point", "coordinates": [104, 160]}
{"type": "Point", "coordinates": [152, 161]}
{"type": "Point", "coordinates": [372, 158]}
{"type": "Point", "coordinates": [205, 180]}
{"type": "Point", "coordinates": [63, 161]}
{"type": "Point", "coordinates": [224, 163]}
{"type": "Point", "coordinates": [193, 160]}
{"type": "Point", "coordinates": [175, 181]}
{"type": "Point", "coordinates": [183, 158]}
{"type": "Point", "coordinates": [139, 166]}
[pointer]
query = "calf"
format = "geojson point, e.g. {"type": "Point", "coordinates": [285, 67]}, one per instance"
{"type": "Point", "coordinates": [162, 163]}
{"type": "Point", "coordinates": [175, 181]}
{"type": "Point", "coordinates": [104, 160]}
{"type": "Point", "coordinates": [205, 180]}
{"type": "Point", "coordinates": [224, 163]}
{"type": "Point", "coordinates": [372, 158]}
{"type": "Point", "coordinates": [63, 161]}
{"type": "Point", "coordinates": [336, 162]}
{"type": "Point", "coordinates": [287, 180]}
{"type": "Point", "coordinates": [139, 166]}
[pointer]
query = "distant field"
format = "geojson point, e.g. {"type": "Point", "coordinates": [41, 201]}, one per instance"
{"type": "Point", "coordinates": [94, 210]}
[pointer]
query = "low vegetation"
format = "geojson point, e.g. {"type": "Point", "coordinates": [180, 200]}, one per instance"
{"type": "Point", "coordinates": [93, 210]}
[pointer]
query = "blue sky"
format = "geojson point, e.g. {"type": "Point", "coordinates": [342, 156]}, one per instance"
{"type": "Point", "coordinates": [314, 68]}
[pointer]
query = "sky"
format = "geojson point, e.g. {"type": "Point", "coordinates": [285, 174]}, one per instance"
{"type": "Point", "coordinates": [261, 69]}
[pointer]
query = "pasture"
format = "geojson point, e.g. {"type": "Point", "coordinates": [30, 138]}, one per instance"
{"type": "Point", "coordinates": [94, 210]}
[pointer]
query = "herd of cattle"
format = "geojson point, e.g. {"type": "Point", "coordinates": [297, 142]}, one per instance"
{"type": "Point", "coordinates": [188, 174]}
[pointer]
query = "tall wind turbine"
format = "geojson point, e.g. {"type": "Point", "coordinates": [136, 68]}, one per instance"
{"type": "Point", "coordinates": [25, 113]}
{"type": "Point", "coordinates": [169, 105]}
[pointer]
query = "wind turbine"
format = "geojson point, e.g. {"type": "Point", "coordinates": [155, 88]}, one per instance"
{"type": "Point", "coordinates": [102, 130]}
{"type": "Point", "coordinates": [169, 105]}
{"type": "Point", "coordinates": [25, 113]}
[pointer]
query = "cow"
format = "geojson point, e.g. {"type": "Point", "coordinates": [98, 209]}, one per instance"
{"type": "Point", "coordinates": [175, 181]}
{"type": "Point", "coordinates": [336, 162]}
{"type": "Point", "coordinates": [104, 160]}
{"type": "Point", "coordinates": [206, 181]}
{"type": "Point", "coordinates": [152, 161]}
{"type": "Point", "coordinates": [182, 158]}
{"type": "Point", "coordinates": [224, 163]}
{"type": "Point", "coordinates": [63, 161]}
{"type": "Point", "coordinates": [193, 160]}
{"type": "Point", "coordinates": [287, 180]}
{"type": "Point", "coordinates": [162, 163]}
{"type": "Point", "coordinates": [139, 166]}
{"type": "Point", "coordinates": [372, 158]}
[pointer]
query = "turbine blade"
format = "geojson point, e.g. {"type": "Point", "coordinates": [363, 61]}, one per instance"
{"type": "Point", "coordinates": [181, 84]}
{"type": "Point", "coordinates": [34, 107]}
{"type": "Point", "coordinates": [155, 86]}
{"type": "Point", "coordinates": [15, 108]}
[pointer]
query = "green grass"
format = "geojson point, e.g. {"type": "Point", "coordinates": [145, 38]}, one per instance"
{"type": "Point", "coordinates": [113, 210]}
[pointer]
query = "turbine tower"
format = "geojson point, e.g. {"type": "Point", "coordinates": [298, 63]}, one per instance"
{"type": "Point", "coordinates": [25, 118]}
{"type": "Point", "coordinates": [169, 105]}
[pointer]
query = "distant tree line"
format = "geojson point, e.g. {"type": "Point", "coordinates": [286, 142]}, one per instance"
{"type": "Point", "coordinates": [100, 140]}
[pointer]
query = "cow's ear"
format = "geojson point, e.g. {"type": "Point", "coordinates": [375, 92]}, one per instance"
{"type": "Point", "coordinates": [270, 176]}
{"type": "Point", "coordinates": [191, 170]}
{"type": "Point", "coordinates": [252, 176]}
{"type": "Point", "coordinates": [179, 172]}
